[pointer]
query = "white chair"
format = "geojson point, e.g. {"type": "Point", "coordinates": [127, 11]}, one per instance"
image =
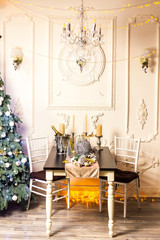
{"type": "Point", "coordinates": [126, 156]}
{"type": "Point", "coordinates": [38, 153]}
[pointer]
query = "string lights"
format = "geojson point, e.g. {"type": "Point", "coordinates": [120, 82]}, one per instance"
{"type": "Point", "coordinates": [51, 7]}
{"type": "Point", "coordinates": [90, 198]}
{"type": "Point", "coordinates": [153, 54]}
{"type": "Point", "coordinates": [139, 24]}
{"type": "Point", "coordinates": [128, 6]}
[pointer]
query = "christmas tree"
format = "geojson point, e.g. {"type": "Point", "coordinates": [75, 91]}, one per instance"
{"type": "Point", "coordinates": [14, 165]}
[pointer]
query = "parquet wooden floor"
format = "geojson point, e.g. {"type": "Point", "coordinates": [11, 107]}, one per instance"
{"type": "Point", "coordinates": [81, 222]}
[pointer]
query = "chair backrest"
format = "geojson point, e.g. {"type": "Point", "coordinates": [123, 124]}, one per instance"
{"type": "Point", "coordinates": [37, 150]}
{"type": "Point", "coordinates": [127, 151]}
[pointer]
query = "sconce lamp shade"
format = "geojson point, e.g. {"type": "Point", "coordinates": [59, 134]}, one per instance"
{"type": "Point", "coordinates": [17, 56]}
{"type": "Point", "coordinates": [16, 52]}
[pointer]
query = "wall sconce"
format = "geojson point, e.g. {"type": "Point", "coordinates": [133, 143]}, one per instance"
{"type": "Point", "coordinates": [17, 57]}
{"type": "Point", "coordinates": [144, 60]}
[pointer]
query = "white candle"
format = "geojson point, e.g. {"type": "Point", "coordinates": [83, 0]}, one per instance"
{"type": "Point", "coordinates": [86, 123]}
{"type": "Point", "coordinates": [94, 25]}
{"type": "Point", "coordinates": [99, 32]}
{"type": "Point", "coordinates": [64, 27]}
{"type": "Point", "coordinates": [73, 127]}
{"type": "Point", "coordinates": [62, 128]}
{"type": "Point", "coordinates": [69, 27]}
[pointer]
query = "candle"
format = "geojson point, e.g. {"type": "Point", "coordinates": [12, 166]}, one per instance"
{"type": "Point", "coordinates": [73, 127]}
{"type": "Point", "coordinates": [94, 25]}
{"type": "Point", "coordinates": [64, 27]}
{"type": "Point", "coordinates": [86, 123]}
{"type": "Point", "coordinates": [69, 26]}
{"type": "Point", "coordinates": [99, 130]}
{"type": "Point", "coordinates": [99, 30]}
{"type": "Point", "coordinates": [62, 128]}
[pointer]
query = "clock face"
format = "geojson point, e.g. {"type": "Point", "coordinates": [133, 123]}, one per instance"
{"type": "Point", "coordinates": [81, 65]}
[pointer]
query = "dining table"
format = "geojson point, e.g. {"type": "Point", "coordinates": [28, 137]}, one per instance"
{"type": "Point", "coordinates": [55, 166]}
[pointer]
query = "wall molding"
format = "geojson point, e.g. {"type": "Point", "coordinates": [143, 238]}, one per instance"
{"type": "Point", "coordinates": [30, 19]}
{"type": "Point", "coordinates": [147, 162]}
{"type": "Point", "coordinates": [142, 113]}
{"type": "Point", "coordinates": [95, 118]}
{"type": "Point", "coordinates": [132, 21]}
{"type": "Point", "coordinates": [71, 73]}
{"type": "Point", "coordinates": [18, 109]}
{"type": "Point", "coordinates": [107, 104]}
{"type": "Point", "coordinates": [66, 118]}
{"type": "Point", "coordinates": [149, 192]}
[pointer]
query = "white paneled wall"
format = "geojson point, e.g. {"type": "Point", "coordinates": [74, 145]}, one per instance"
{"type": "Point", "coordinates": [127, 101]}
{"type": "Point", "coordinates": [19, 31]}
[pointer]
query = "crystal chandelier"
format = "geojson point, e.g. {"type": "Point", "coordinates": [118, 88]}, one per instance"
{"type": "Point", "coordinates": [84, 41]}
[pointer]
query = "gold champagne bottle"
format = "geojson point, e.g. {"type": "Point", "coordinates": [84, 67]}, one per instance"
{"type": "Point", "coordinates": [56, 131]}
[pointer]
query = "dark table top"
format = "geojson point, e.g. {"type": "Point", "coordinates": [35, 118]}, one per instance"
{"type": "Point", "coordinates": [104, 158]}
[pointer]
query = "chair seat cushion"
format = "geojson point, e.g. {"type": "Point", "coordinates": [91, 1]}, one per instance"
{"type": "Point", "coordinates": [125, 176]}
{"type": "Point", "coordinates": [41, 175]}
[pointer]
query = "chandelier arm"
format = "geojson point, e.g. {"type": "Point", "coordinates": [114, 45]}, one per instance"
{"type": "Point", "coordinates": [84, 41]}
{"type": "Point", "coordinates": [81, 19]}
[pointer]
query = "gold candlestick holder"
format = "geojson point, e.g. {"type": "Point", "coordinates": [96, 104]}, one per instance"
{"type": "Point", "coordinates": [99, 143]}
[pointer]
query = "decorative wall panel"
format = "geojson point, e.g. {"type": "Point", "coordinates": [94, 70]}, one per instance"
{"type": "Point", "coordinates": [92, 88]}
{"type": "Point", "coordinates": [142, 113]}
{"type": "Point", "coordinates": [141, 85]}
{"type": "Point", "coordinates": [20, 82]}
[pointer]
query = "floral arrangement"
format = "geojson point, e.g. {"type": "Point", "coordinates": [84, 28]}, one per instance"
{"type": "Point", "coordinates": [81, 62]}
{"type": "Point", "coordinates": [17, 61]}
{"type": "Point", "coordinates": [83, 160]}
{"type": "Point", "coordinates": [81, 155]}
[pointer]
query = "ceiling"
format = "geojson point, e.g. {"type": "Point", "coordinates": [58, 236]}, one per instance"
{"type": "Point", "coordinates": [45, 8]}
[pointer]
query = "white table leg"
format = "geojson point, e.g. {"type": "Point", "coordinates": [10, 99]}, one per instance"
{"type": "Point", "coordinates": [111, 203]}
{"type": "Point", "coordinates": [49, 177]}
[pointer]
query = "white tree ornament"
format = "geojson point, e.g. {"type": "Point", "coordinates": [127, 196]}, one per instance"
{"type": "Point", "coordinates": [7, 113]}
{"type": "Point", "coordinates": [14, 198]}
{"type": "Point", "coordinates": [23, 160]}
{"type": "Point", "coordinates": [7, 165]}
{"type": "Point", "coordinates": [3, 134]}
{"type": "Point", "coordinates": [11, 123]}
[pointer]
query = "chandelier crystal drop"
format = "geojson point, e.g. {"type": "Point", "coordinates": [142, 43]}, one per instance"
{"type": "Point", "coordinates": [85, 40]}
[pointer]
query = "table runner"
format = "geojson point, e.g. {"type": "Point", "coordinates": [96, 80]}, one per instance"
{"type": "Point", "coordinates": [83, 172]}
